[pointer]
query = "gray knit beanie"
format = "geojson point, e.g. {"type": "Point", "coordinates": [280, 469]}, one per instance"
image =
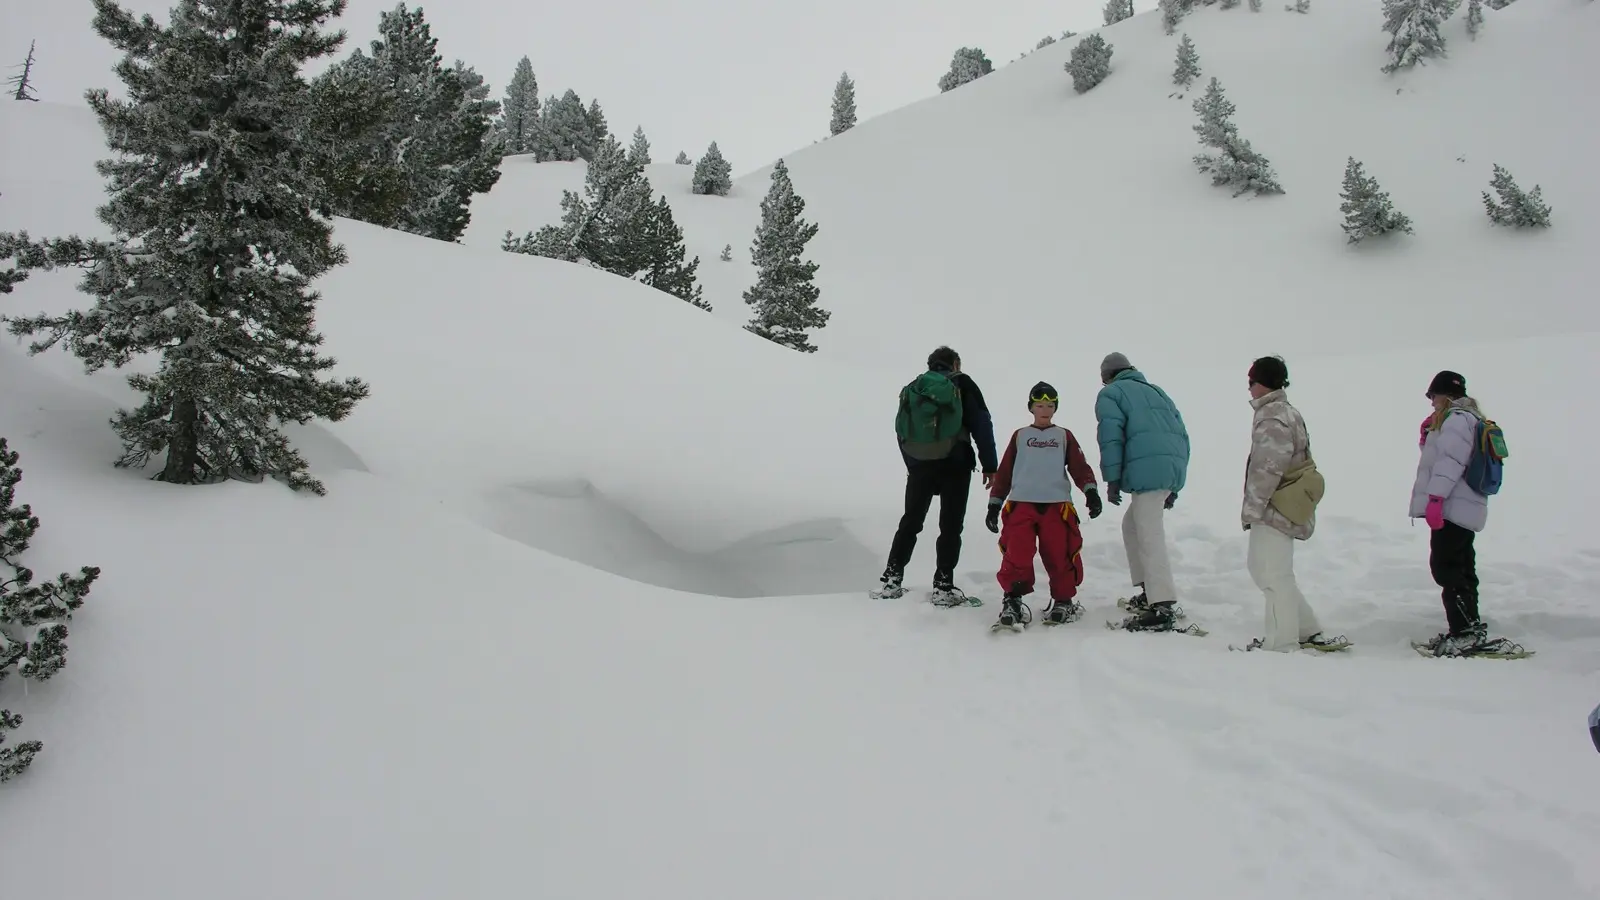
{"type": "Point", "coordinates": [1112, 364]}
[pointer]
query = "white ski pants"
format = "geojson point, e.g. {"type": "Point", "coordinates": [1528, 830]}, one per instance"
{"type": "Point", "coordinates": [1145, 539]}
{"type": "Point", "coordinates": [1289, 617]}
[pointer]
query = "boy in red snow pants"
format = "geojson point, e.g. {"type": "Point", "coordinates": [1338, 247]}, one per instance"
{"type": "Point", "coordinates": [1032, 491]}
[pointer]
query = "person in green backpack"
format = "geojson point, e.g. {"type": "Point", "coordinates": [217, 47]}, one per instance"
{"type": "Point", "coordinates": [940, 414]}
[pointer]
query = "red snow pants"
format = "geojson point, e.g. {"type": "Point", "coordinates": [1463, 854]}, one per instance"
{"type": "Point", "coordinates": [1053, 527]}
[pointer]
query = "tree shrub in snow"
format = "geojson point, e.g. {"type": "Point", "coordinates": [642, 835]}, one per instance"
{"type": "Point", "coordinates": [519, 111]}
{"type": "Point", "coordinates": [968, 64]}
{"type": "Point", "coordinates": [1299, 6]}
{"type": "Point", "coordinates": [784, 296]}
{"type": "Point", "coordinates": [713, 174]}
{"type": "Point", "coordinates": [727, 253]}
{"type": "Point", "coordinates": [1255, 5]}
{"type": "Point", "coordinates": [1235, 164]}
{"type": "Point", "coordinates": [1090, 63]}
{"type": "Point", "coordinates": [1474, 18]}
{"type": "Point", "coordinates": [683, 159]}
{"type": "Point", "coordinates": [33, 617]}
{"type": "Point", "coordinates": [844, 105]}
{"type": "Point", "coordinates": [1413, 26]}
{"type": "Point", "coordinates": [1518, 209]}
{"type": "Point", "coordinates": [217, 237]}
{"type": "Point", "coordinates": [1188, 68]}
{"type": "Point", "coordinates": [1367, 210]}
{"type": "Point", "coordinates": [1172, 12]}
{"type": "Point", "coordinates": [1117, 10]}
{"type": "Point", "coordinates": [640, 149]}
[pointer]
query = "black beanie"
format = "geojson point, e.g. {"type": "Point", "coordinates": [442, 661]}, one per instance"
{"type": "Point", "coordinates": [1043, 388]}
{"type": "Point", "coordinates": [1449, 384]}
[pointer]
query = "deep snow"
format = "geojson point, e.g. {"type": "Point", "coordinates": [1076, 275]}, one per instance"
{"type": "Point", "coordinates": [421, 685]}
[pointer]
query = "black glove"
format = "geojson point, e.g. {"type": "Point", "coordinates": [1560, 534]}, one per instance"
{"type": "Point", "coordinates": [992, 520]}
{"type": "Point", "coordinates": [1171, 499]}
{"type": "Point", "coordinates": [1114, 493]}
{"type": "Point", "coordinates": [1091, 499]}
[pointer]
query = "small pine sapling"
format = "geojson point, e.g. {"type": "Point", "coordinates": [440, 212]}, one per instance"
{"type": "Point", "coordinates": [727, 253]}
{"type": "Point", "coordinates": [1172, 12]}
{"type": "Point", "coordinates": [1117, 10]}
{"type": "Point", "coordinates": [1090, 63]}
{"type": "Point", "coordinates": [1044, 42]}
{"type": "Point", "coordinates": [713, 174]}
{"type": "Point", "coordinates": [1236, 164]}
{"type": "Point", "coordinates": [1188, 64]}
{"type": "Point", "coordinates": [1367, 210]}
{"type": "Point", "coordinates": [683, 159]}
{"type": "Point", "coordinates": [1516, 208]}
{"type": "Point", "coordinates": [844, 106]}
{"type": "Point", "coordinates": [1298, 6]}
{"type": "Point", "coordinates": [33, 630]}
{"type": "Point", "coordinates": [1230, 4]}
{"type": "Point", "coordinates": [1255, 5]}
{"type": "Point", "coordinates": [1474, 18]}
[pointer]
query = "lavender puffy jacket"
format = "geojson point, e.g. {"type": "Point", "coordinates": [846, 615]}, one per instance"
{"type": "Point", "coordinates": [1445, 454]}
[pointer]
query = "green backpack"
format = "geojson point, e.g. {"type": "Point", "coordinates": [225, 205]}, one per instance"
{"type": "Point", "coordinates": [929, 421]}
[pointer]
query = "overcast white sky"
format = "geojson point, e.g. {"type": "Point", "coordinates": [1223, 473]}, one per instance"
{"type": "Point", "coordinates": [754, 75]}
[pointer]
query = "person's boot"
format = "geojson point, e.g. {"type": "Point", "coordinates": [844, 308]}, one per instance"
{"type": "Point", "coordinates": [890, 584]}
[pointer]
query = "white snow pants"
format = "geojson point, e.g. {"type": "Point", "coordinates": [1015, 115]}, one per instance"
{"type": "Point", "coordinates": [1145, 539]}
{"type": "Point", "coordinates": [1289, 617]}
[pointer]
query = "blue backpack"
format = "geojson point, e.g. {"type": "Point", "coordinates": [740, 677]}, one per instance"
{"type": "Point", "coordinates": [1486, 469]}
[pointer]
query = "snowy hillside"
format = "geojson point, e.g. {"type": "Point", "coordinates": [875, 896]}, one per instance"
{"type": "Point", "coordinates": [582, 613]}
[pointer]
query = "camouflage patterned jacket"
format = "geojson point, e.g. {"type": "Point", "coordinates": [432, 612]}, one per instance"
{"type": "Point", "coordinates": [1278, 443]}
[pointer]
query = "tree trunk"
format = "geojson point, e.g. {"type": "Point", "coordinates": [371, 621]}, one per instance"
{"type": "Point", "coordinates": [183, 449]}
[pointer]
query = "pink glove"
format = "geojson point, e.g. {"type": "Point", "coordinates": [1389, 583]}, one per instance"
{"type": "Point", "coordinates": [1422, 439]}
{"type": "Point", "coordinates": [1434, 514]}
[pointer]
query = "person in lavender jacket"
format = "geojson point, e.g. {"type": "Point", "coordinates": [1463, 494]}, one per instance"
{"type": "Point", "coordinates": [1453, 510]}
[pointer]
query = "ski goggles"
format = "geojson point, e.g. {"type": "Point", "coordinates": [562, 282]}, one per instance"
{"type": "Point", "coordinates": [1043, 397]}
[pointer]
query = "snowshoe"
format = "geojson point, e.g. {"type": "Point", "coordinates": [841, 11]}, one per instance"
{"type": "Point", "coordinates": [952, 597]}
{"type": "Point", "coordinates": [1471, 644]}
{"type": "Point", "coordinates": [1141, 602]}
{"type": "Point", "coordinates": [1322, 643]}
{"type": "Point", "coordinates": [891, 585]}
{"type": "Point", "coordinates": [1063, 613]}
{"type": "Point", "coordinates": [1159, 617]}
{"type": "Point", "coordinates": [1014, 615]}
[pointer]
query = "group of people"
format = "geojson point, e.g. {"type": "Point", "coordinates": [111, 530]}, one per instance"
{"type": "Point", "coordinates": [946, 433]}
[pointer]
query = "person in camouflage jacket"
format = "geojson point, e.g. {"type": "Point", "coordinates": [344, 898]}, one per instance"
{"type": "Point", "coordinates": [1279, 443]}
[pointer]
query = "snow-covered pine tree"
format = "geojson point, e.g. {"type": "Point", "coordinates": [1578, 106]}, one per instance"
{"type": "Point", "coordinates": [727, 253]}
{"type": "Point", "coordinates": [22, 82]}
{"type": "Point", "coordinates": [1117, 10]}
{"type": "Point", "coordinates": [596, 131]}
{"type": "Point", "coordinates": [712, 174]}
{"type": "Point", "coordinates": [844, 105]}
{"type": "Point", "coordinates": [1255, 5]}
{"type": "Point", "coordinates": [1474, 18]}
{"type": "Point", "coordinates": [519, 112]}
{"type": "Point", "coordinates": [1413, 26]}
{"type": "Point", "coordinates": [1516, 208]}
{"type": "Point", "coordinates": [968, 64]}
{"type": "Point", "coordinates": [214, 211]}
{"type": "Point", "coordinates": [683, 159]}
{"type": "Point", "coordinates": [350, 117]}
{"type": "Point", "coordinates": [33, 617]}
{"type": "Point", "coordinates": [1236, 164]}
{"type": "Point", "coordinates": [1172, 12]}
{"type": "Point", "coordinates": [598, 227]}
{"type": "Point", "coordinates": [1298, 6]}
{"type": "Point", "coordinates": [662, 251]}
{"type": "Point", "coordinates": [563, 129]}
{"type": "Point", "coordinates": [1367, 209]}
{"type": "Point", "coordinates": [784, 297]}
{"type": "Point", "coordinates": [1188, 68]}
{"type": "Point", "coordinates": [1090, 63]}
{"type": "Point", "coordinates": [439, 131]}
{"type": "Point", "coordinates": [1044, 42]}
{"type": "Point", "coordinates": [1229, 4]}
{"type": "Point", "coordinates": [640, 149]}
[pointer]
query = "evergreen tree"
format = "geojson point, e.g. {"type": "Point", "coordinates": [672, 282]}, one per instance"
{"type": "Point", "coordinates": [1044, 42]}
{"type": "Point", "coordinates": [713, 174]}
{"type": "Point", "coordinates": [217, 238]}
{"type": "Point", "coordinates": [784, 297]}
{"type": "Point", "coordinates": [1172, 12]}
{"type": "Point", "coordinates": [1255, 5]}
{"type": "Point", "coordinates": [1230, 4]}
{"type": "Point", "coordinates": [968, 64]}
{"type": "Point", "coordinates": [1117, 10]}
{"type": "Point", "coordinates": [1517, 209]}
{"type": "Point", "coordinates": [1299, 6]}
{"type": "Point", "coordinates": [351, 116]}
{"type": "Point", "coordinates": [519, 112]}
{"type": "Point", "coordinates": [683, 159]}
{"type": "Point", "coordinates": [22, 82]}
{"type": "Point", "coordinates": [1367, 210]}
{"type": "Point", "coordinates": [33, 618]}
{"type": "Point", "coordinates": [1474, 18]}
{"type": "Point", "coordinates": [1236, 164]}
{"type": "Point", "coordinates": [640, 150]}
{"type": "Point", "coordinates": [439, 132]}
{"type": "Point", "coordinates": [663, 253]}
{"type": "Point", "coordinates": [1414, 29]}
{"type": "Point", "coordinates": [1090, 63]}
{"type": "Point", "coordinates": [564, 129]}
{"type": "Point", "coordinates": [844, 106]}
{"type": "Point", "coordinates": [727, 253]}
{"type": "Point", "coordinates": [1188, 63]}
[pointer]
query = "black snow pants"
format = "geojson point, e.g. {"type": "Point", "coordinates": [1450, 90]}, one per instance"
{"type": "Point", "coordinates": [951, 481]}
{"type": "Point", "coordinates": [1455, 570]}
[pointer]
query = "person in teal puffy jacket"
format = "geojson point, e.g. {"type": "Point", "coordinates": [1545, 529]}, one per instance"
{"type": "Point", "coordinates": [1144, 450]}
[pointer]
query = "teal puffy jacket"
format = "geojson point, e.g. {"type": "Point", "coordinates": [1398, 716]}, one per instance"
{"type": "Point", "coordinates": [1143, 443]}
